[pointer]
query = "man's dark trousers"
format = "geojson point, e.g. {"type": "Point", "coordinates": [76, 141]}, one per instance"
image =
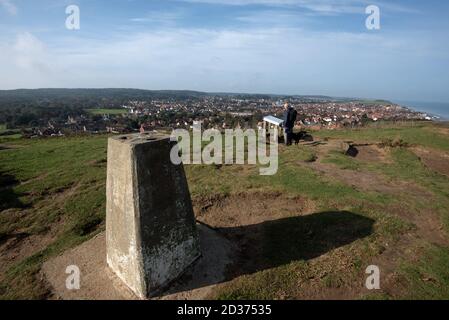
{"type": "Point", "coordinates": [288, 136]}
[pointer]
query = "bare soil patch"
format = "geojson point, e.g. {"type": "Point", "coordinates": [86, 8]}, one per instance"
{"type": "Point", "coordinates": [444, 130]}
{"type": "Point", "coordinates": [369, 181]}
{"type": "Point", "coordinates": [271, 230]}
{"type": "Point", "coordinates": [435, 160]}
{"type": "Point", "coordinates": [99, 283]}
{"type": "Point", "coordinates": [247, 223]}
{"type": "Point", "coordinates": [371, 153]}
{"type": "Point", "coordinates": [19, 246]}
{"type": "Point", "coordinates": [8, 146]}
{"type": "Point", "coordinates": [248, 208]}
{"type": "Point", "coordinates": [429, 226]}
{"type": "Point", "coordinates": [241, 218]}
{"type": "Point", "coordinates": [38, 178]}
{"type": "Point", "coordinates": [232, 248]}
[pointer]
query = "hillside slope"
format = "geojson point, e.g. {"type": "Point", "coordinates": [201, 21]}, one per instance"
{"type": "Point", "coordinates": [308, 232]}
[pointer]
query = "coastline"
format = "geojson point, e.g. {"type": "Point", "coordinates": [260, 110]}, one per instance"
{"type": "Point", "coordinates": [437, 110]}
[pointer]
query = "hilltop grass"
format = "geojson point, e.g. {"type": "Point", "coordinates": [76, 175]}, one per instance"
{"type": "Point", "coordinates": [305, 154]}
{"type": "Point", "coordinates": [422, 134]}
{"type": "Point", "coordinates": [338, 158]}
{"type": "Point", "coordinates": [11, 137]}
{"type": "Point", "coordinates": [405, 166]}
{"type": "Point", "coordinates": [54, 183]}
{"type": "Point", "coordinates": [429, 277]}
{"type": "Point", "coordinates": [342, 267]}
{"type": "Point", "coordinates": [15, 134]}
{"type": "Point", "coordinates": [107, 111]}
{"type": "Point", "coordinates": [57, 185]}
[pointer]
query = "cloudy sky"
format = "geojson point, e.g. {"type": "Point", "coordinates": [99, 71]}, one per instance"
{"type": "Point", "coordinates": [263, 46]}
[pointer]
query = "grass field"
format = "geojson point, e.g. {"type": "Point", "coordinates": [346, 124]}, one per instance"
{"type": "Point", "coordinates": [107, 111]}
{"type": "Point", "coordinates": [423, 134]}
{"type": "Point", "coordinates": [16, 134]}
{"type": "Point", "coordinates": [11, 137]}
{"type": "Point", "coordinates": [390, 209]}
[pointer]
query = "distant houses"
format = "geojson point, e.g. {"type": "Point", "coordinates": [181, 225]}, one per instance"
{"type": "Point", "coordinates": [219, 112]}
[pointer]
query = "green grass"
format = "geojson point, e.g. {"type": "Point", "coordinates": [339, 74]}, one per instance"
{"type": "Point", "coordinates": [287, 245]}
{"type": "Point", "coordinates": [405, 166]}
{"type": "Point", "coordinates": [421, 134]}
{"type": "Point", "coordinates": [59, 184]}
{"type": "Point", "coordinates": [346, 240]}
{"type": "Point", "coordinates": [15, 134]}
{"type": "Point", "coordinates": [429, 277]}
{"type": "Point", "coordinates": [107, 111]}
{"type": "Point", "coordinates": [306, 154]}
{"type": "Point", "coordinates": [50, 181]}
{"type": "Point", "coordinates": [342, 161]}
{"type": "Point", "coordinates": [297, 179]}
{"type": "Point", "coordinates": [11, 137]}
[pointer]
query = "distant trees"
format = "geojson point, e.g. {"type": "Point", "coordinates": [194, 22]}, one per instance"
{"type": "Point", "coordinates": [26, 108]}
{"type": "Point", "coordinates": [29, 115]}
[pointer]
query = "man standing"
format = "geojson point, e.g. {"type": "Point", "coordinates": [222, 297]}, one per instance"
{"type": "Point", "coordinates": [289, 122]}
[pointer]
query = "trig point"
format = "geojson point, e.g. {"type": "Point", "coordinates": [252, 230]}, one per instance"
{"type": "Point", "coordinates": [151, 235]}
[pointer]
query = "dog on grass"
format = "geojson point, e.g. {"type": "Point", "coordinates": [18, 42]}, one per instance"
{"type": "Point", "coordinates": [302, 135]}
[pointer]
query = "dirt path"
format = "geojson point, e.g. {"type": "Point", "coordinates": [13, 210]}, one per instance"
{"type": "Point", "coordinates": [437, 161]}
{"type": "Point", "coordinates": [249, 208]}
{"type": "Point", "coordinates": [369, 181]}
{"type": "Point", "coordinates": [21, 244]}
{"type": "Point", "coordinates": [428, 224]}
{"type": "Point", "coordinates": [429, 227]}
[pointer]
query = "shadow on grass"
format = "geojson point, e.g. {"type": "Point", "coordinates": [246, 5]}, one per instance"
{"type": "Point", "coordinates": [8, 197]}
{"type": "Point", "coordinates": [276, 243]}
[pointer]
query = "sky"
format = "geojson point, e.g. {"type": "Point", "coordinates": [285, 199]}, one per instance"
{"type": "Point", "coordinates": [305, 47]}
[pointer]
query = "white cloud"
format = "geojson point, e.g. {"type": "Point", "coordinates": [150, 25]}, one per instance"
{"type": "Point", "coordinates": [30, 53]}
{"type": "Point", "coordinates": [324, 7]}
{"type": "Point", "coordinates": [25, 61]}
{"type": "Point", "coordinates": [270, 60]}
{"type": "Point", "coordinates": [160, 17]}
{"type": "Point", "coordinates": [9, 6]}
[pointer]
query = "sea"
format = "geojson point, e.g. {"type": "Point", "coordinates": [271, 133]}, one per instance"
{"type": "Point", "coordinates": [437, 109]}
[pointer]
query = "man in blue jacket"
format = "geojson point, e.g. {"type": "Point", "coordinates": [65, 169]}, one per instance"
{"type": "Point", "coordinates": [289, 122]}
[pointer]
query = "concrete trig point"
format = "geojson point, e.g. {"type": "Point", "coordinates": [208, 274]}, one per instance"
{"type": "Point", "coordinates": [151, 235]}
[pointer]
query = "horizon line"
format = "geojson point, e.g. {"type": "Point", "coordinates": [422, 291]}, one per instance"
{"type": "Point", "coordinates": [227, 93]}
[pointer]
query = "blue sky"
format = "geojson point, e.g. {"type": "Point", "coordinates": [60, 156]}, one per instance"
{"type": "Point", "coordinates": [263, 46]}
